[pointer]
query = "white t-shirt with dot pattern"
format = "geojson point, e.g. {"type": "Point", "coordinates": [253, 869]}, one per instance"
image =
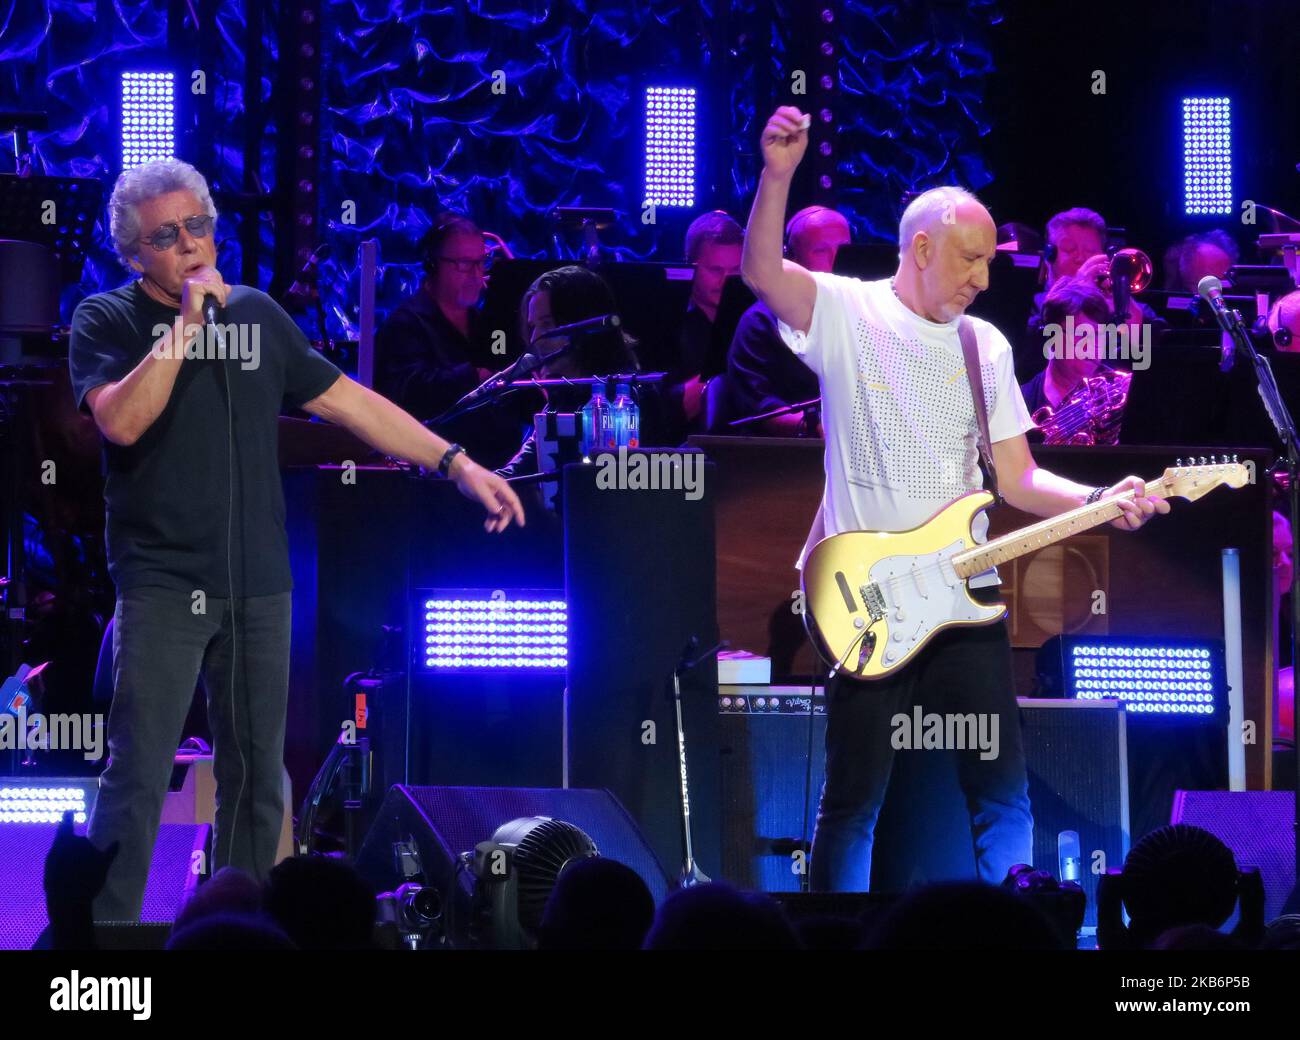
{"type": "Point", "coordinates": [902, 440]}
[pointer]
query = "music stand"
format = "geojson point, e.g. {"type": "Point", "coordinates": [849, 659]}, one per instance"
{"type": "Point", "coordinates": [866, 260]}
{"type": "Point", "coordinates": [1178, 401]}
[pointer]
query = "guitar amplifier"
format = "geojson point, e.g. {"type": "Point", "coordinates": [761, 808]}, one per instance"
{"type": "Point", "coordinates": [1077, 754]}
{"type": "Point", "coordinates": [764, 781]}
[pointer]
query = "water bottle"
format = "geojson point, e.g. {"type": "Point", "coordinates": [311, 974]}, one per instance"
{"type": "Point", "coordinates": [597, 421]}
{"type": "Point", "coordinates": [627, 419]}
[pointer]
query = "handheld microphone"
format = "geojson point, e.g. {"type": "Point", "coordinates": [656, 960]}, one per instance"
{"type": "Point", "coordinates": [1210, 289]}
{"type": "Point", "coordinates": [210, 308]}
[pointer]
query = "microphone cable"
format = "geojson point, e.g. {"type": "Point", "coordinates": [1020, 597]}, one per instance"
{"type": "Point", "coordinates": [230, 586]}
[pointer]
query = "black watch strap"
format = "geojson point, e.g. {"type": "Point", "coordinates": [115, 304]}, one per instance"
{"type": "Point", "coordinates": [448, 457]}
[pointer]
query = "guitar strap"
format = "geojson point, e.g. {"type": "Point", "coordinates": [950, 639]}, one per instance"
{"type": "Point", "coordinates": [974, 373]}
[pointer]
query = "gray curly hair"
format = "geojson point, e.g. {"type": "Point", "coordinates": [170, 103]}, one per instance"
{"type": "Point", "coordinates": [145, 182]}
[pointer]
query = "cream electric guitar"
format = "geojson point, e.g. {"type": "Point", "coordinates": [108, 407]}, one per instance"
{"type": "Point", "coordinates": [873, 599]}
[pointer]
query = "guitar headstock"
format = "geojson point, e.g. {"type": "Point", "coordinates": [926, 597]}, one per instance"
{"type": "Point", "coordinates": [1193, 478]}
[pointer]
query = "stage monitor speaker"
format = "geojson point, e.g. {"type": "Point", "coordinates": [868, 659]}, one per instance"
{"type": "Point", "coordinates": [640, 577]}
{"type": "Point", "coordinates": [764, 779]}
{"type": "Point", "coordinates": [442, 823]}
{"type": "Point", "coordinates": [24, 846]}
{"type": "Point", "coordinates": [1076, 757]}
{"type": "Point", "coordinates": [1259, 827]}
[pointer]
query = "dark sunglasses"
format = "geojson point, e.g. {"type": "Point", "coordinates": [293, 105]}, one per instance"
{"type": "Point", "coordinates": [167, 234]}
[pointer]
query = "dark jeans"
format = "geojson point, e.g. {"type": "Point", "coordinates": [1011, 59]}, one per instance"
{"type": "Point", "coordinates": [160, 648]}
{"type": "Point", "coordinates": [964, 670]}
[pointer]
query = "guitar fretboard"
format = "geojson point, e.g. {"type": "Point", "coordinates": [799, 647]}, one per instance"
{"type": "Point", "coordinates": [1046, 532]}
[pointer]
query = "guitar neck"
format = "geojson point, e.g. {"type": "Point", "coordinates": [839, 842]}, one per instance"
{"type": "Point", "coordinates": [1047, 532]}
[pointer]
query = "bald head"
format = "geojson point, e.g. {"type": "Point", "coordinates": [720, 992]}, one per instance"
{"type": "Point", "coordinates": [815, 235]}
{"type": "Point", "coordinates": [946, 240]}
{"type": "Point", "coordinates": [937, 210]}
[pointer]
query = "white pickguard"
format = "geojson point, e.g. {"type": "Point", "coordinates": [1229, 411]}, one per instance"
{"type": "Point", "coordinates": [922, 593]}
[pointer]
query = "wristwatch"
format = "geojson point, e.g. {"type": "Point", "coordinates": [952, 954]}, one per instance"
{"type": "Point", "coordinates": [448, 457]}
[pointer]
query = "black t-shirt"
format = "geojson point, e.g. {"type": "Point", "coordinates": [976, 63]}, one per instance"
{"type": "Point", "coordinates": [169, 497]}
{"type": "Point", "coordinates": [425, 364]}
{"type": "Point", "coordinates": [763, 374]}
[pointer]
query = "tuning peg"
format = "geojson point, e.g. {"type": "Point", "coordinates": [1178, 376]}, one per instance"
{"type": "Point", "coordinates": [1178, 461]}
{"type": "Point", "coordinates": [1202, 460]}
{"type": "Point", "coordinates": [1234, 460]}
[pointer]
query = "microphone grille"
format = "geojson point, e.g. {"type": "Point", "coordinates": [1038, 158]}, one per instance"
{"type": "Point", "coordinates": [1208, 285]}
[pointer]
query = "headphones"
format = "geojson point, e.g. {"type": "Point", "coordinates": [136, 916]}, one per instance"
{"type": "Point", "coordinates": [1274, 327]}
{"type": "Point", "coordinates": [800, 218]}
{"type": "Point", "coordinates": [432, 239]}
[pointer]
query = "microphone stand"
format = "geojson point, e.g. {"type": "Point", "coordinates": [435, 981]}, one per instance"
{"type": "Point", "coordinates": [1285, 426]}
{"type": "Point", "coordinates": [500, 383]}
{"type": "Point", "coordinates": [691, 874]}
{"type": "Point", "coordinates": [801, 406]}
{"type": "Point", "coordinates": [493, 387]}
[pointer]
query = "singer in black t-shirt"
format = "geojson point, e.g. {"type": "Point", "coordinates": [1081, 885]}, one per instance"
{"type": "Point", "coordinates": [196, 540]}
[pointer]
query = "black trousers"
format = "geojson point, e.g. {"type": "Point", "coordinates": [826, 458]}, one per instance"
{"type": "Point", "coordinates": [964, 672]}
{"type": "Point", "coordinates": [160, 648]}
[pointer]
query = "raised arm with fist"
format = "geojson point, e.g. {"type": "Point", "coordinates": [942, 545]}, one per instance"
{"type": "Point", "coordinates": [784, 140]}
{"type": "Point", "coordinates": [788, 290]}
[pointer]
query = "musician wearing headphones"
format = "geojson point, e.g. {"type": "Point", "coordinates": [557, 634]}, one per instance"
{"type": "Point", "coordinates": [763, 375]}
{"type": "Point", "coordinates": [431, 350]}
{"type": "Point", "coordinates": [901, 443]}
{"type": "Point", "coordinates": [1076, 248]}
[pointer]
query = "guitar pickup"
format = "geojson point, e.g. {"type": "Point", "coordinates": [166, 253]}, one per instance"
{"type": "Point", "coordinates": [874, 600]}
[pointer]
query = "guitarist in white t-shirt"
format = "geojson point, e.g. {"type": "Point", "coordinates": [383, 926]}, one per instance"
{"type": "Point", "coordinates": [901, 442]}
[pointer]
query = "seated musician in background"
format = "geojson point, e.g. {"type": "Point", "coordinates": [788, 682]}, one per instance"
{"type": "Point", "coordinates": [562, 297]}
{"type": "Point", "coordinates": [1076, 248]}
{"type": "Point", "coordinates": [1078, 398]}
{"type": "Point", "coordinates": [763, 374]}
{"type": "Point", "coordinates": [431, 352]}
{"type": "Point", "coordinates": [1210, 252]}
{"type": "Point", "coordinates": [713, 244]}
